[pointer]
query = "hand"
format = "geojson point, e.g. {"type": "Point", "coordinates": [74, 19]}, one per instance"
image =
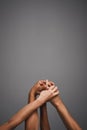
{"type": "Point", "coordinates": [48, 94]}
{"type": "Point", "coordinates": [55, 99]}
{"type": "Point", "coordinates": [49, 83]}
{"type": "Point", "coordinates": [38, 87]}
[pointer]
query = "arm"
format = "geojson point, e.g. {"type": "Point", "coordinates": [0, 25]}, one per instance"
{"type": "Point", "coordinates": [44, 123]}
{"type": "Point", "coordinates": [32, 122]}
{"type": "Point", "coordinates": [21, 115]}
{"type": "Point", "coordinates": [27, 110]}
{"type": "Point", "coordinates": [68, 120]}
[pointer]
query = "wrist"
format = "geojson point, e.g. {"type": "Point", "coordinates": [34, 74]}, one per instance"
{"type": "Point", "coordinates": [41, 100]}
{"type": "Point", "coordinates": [44, 106]}
{"type": "Point", "coordinates": [32, 92]}
{"type": "Point", "coordinates": [31, 96]}
{"type": "Point", "coordinates": [57, 102]}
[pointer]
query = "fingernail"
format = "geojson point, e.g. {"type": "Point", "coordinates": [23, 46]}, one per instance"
{"type": "Point", "coordinates": [44, 82]}
{"type": "Point", "coordinates": [48, 85]}
{"type": "Point", "coordinates": [41, 84]}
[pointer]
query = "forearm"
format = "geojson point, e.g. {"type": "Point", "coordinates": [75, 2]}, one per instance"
{"type": "Point", "coordinates": [68, 120]}
{"type": "Point", "coordinates": [23, 114]}
{"type": "Point", "coordinates": [32, 122]}
{"type": "Point", "coordinates": [27, 110]}
{"type": "Point", "coordinates": [44, 123]}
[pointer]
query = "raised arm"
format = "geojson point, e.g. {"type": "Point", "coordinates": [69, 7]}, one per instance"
{"type": "Point", "coordinates": [66, 117]}
{"type": "Point", "coordinates": [32, 122]}
{"type": "Point", "coordinates": [44, 123]}
{"type": "Point", "coordinates": [27, 110]}
{"type": "Point", "coordinates": [21, 115]}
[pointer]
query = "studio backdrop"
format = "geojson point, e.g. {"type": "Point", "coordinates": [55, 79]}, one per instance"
{"type": "Point", "coordinates": [43, 39]}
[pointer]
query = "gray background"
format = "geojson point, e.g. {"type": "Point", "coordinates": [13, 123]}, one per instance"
{"type": "Point", "coordinates": [43, 39]}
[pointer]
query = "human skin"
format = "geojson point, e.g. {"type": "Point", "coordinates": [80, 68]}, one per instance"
{"type": "Point", "coordinates": [44, 122]}
{"type": "Point", "coordinates": [34, 118]}
{"type": "Point", "coordinates": [57, 102]}
{"type": "Point", "coordinates": [28, 109]}
{"type": "Point", "coordinates": [32, 122]}
{"type": "Point", "coordinates": [66, 117]}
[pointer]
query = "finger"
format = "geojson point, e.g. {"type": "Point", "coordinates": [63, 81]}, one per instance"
{"type": "Point", "coordinates": [51, 83]}
{"type": "Point", "coordinates": [44, 82]}
{"type": "Point", "coordinates": [41, 82]}
{"type": "Point", "coordinates": [47, 82]}
{"type": "Point", "coordinates": [42, 85]}
{"type": "Point", "coordinates": [51, 87]}
{"type": "Point", "coordinates": [55, 89]}
{"type": "Point", "coordinates": [56, 93]}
